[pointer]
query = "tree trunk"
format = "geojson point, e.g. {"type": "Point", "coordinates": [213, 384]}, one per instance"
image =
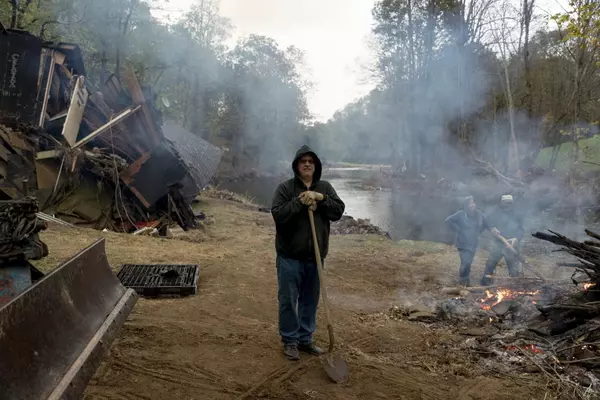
{"type": "Point", "coordinates": [527, 14]}
{"type": "Point", "coordinates": [414, 145]}
{"type": "Point", "coordinates": [14, 13]}
{"type": "Point", "coordinates": [513, 150]}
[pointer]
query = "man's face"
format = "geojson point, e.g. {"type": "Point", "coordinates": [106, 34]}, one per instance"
{"type": "Point", "coordinates": [306, 166]}
{"type": "Point", "coordinates": [471, 205]}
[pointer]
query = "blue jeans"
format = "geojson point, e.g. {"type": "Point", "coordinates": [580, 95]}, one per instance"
{"type": "Point", "coordinates": [298, 289]}
{"type": "Point", "coordinates": [464, 271]}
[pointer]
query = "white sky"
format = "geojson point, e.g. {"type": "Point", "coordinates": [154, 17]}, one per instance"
{"type": "Point", "coordinates": [332, 33]}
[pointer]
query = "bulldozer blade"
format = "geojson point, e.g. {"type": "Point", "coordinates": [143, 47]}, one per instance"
{"type": "Point", "coordinates": [54, 334]}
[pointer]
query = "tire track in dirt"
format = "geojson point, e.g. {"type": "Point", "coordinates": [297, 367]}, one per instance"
{"type": "Point", "coordinates": [124, 395]}
{"type": "Point", "coordinates": [276, 378]}
{"type": "Point", "coordinates": [190, 369]}
{"type": "Point", "coordinates": [409, 383]}
{"type": "Point", "coordinates": [187, 324]}
{"type": "Point", "coordinates": [185, 379]}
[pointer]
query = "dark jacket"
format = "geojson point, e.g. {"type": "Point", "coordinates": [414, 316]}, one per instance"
{"type": "Point", "coordinates": [468, 228]}
{"type": "Point", "coordinates": [294, 237]}
{"type": "Point", "coordinates": [508, 222]}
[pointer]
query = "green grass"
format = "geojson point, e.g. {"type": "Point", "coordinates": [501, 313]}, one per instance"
{"type": "Point", "coordinates": [426, 247]}
{"type": "Point", "coordinates": [589, 150]}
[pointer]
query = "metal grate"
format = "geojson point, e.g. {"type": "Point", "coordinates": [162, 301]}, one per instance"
{"type": "Point", "coordinates": [160, 279]}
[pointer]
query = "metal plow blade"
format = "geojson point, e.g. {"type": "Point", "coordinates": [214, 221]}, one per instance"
{"type": "Point", "coordinates": [54, 335]}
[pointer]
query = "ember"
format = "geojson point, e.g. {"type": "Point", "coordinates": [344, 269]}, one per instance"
{"type": "Point", "coordinates": [502, 294]}
{"type": "Point", "coordinates": [588, 285]}
{"type": "Point", "coordinates": [530, 347]}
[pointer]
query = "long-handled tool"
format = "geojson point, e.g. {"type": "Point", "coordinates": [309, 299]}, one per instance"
{"type": "Point", "coordinates": [334, 365]}
{"type": "Point", "coordinates": [509, 247]}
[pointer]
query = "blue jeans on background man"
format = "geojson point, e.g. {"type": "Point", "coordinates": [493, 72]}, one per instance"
{"type": "Point", "coordinates": [464, 271]}
{"type": "Point", "coordinates": [298, 297]}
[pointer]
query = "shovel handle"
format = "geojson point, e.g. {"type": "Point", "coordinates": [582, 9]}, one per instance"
{"type": "Point", "coordinates": [311, 217]}
{"type": "Point", "coordinates": [517, 256]}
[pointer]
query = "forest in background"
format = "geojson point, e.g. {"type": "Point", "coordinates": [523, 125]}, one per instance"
{"type": "Point", "coordinates": [455, 80]}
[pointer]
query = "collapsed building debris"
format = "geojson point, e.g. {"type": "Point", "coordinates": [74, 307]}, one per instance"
{"type": "Point", "coordinates": [19, 243]}
{"type": "Point", "coordinates": [96, 157]}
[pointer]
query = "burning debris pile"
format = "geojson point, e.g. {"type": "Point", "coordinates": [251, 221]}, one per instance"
{"type": "Point", "coordinates": [511, 303]}
{"type": "Point", "coordinates": [350, 226]}
{"type": "Point", "coordinates": [549, 328]}
{"type": "Point", "coordinates": [100, 157]}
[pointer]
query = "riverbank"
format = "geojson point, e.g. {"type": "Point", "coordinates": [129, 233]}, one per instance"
{"type": "Point", "coordinates": [222, 343]}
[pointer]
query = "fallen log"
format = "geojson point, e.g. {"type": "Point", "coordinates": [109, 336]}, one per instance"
{"type": "Point", "coordinates": [464, 291]}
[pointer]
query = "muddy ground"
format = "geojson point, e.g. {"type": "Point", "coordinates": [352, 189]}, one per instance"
{"type": "Point", "coordinates": [223, 342]}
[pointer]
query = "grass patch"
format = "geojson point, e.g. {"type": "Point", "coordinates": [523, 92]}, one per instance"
{"type": "Point", "coordinates": [422, 246]}
{"type": "Point", "coordinates": [589, 151]}
{"type": "Point", "coordinates": [214, 192]}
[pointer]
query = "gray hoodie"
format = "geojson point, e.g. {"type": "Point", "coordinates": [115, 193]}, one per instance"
{"type": "Point", "coordinates": [468, 228]}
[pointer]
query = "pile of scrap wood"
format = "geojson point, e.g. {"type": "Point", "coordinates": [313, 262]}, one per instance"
{"type": "Point", "coordinates": [19, 230]}
{"type": "Point", "coordinates": [96, 156]}
{"type": "Point", "coordinates": [582, 306]}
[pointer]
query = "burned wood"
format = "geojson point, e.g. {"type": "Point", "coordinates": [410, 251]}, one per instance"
{"type": "Point", "coordinates": [19, 228]}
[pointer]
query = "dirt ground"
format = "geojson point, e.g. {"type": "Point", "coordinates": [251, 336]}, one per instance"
{"type": "Point", "coordinates": [223, 343]}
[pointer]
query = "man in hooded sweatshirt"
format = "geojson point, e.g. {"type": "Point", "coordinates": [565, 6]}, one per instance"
{"type": "Point", "coordinates": [468, 224]}
{"type": "Point", "coordinates": [297, 274]}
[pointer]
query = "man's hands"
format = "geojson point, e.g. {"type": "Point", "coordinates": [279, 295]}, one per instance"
{"type": "Point", "coordinates": [310, 199]}
{"type": "Point", "coordinates": [512, 241]}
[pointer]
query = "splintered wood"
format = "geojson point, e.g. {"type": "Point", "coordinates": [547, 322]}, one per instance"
{"type": "Point", "coordinates": [98, 157]}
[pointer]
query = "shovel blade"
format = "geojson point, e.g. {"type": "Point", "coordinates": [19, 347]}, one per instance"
{"type": "Point", "coordinates": [336, 368]}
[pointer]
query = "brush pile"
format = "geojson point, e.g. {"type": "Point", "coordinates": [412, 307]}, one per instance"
{"type": "Point", "coordinates": [350, 226]}
{"type": "Point", "coordinates": [563, 341]}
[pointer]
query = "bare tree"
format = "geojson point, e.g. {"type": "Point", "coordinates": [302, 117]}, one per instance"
{"type": "Point", "coordinates": [506, 22]}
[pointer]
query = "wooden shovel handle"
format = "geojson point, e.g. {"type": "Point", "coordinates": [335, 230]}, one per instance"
{"type": "Point", "coordinates": [311, 217]}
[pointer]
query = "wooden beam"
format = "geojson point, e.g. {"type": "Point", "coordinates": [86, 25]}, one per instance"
{"type": "Point", "coordinates": [138, 99]}
{"type": "Point", "coordinates": [75, 114]}
{"type": "Point", "coordinates": [106, 126]}
{"type": "Point", "coordinates": [42, 155]}
{"type": "Point", "coordinates": [47, 92]}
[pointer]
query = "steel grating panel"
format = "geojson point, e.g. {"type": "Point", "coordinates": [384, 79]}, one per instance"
{"type": "Point", "coordinates": [160, 279]}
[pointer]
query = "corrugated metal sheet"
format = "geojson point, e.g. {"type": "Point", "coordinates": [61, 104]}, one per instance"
{"type": "Point", "coordinates": [200, 156]}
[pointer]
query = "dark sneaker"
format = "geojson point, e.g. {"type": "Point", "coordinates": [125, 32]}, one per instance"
{"type": "Point", "coordinates": [291, 352]}
{"type": "Point", "coordinates": [310, 349]}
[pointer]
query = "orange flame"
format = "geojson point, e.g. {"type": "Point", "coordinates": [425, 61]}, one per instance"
{"type": "Point", "coordinates": [588, 285]}
{"type": "Point", "coordinates": [491, 300]}
{"type": "Point", "coordinates": [529, 347]}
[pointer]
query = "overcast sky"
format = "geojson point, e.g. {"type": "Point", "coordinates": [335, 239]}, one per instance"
{"type": "Point", "coordinates": [332, 33]}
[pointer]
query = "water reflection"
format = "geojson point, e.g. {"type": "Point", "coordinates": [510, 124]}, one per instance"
{"type": "Point", "coordinates": [404, 214]}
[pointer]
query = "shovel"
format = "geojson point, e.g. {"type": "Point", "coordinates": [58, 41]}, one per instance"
{"type": "Point", "coordinates": [334, 365]}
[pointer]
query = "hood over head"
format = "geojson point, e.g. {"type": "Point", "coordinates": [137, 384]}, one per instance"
{"type": "Point", "coordinates": [318, 165]}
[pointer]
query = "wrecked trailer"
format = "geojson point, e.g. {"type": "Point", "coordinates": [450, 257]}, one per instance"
{"type": "Point", "coordinates": [97, 158]}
